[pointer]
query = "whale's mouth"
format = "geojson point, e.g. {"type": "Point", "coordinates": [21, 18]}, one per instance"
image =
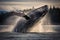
{"type": "Point", "coordinates": [49, 23]}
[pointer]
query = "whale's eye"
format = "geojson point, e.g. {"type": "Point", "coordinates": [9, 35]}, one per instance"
{"type": "Point", "coordinates": [26, 17]}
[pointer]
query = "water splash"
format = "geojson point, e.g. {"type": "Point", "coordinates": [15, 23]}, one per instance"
{"type": "Point", "coordinates": [43, 25]}
{"type": "Point", "coordinates": [10, 23]}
